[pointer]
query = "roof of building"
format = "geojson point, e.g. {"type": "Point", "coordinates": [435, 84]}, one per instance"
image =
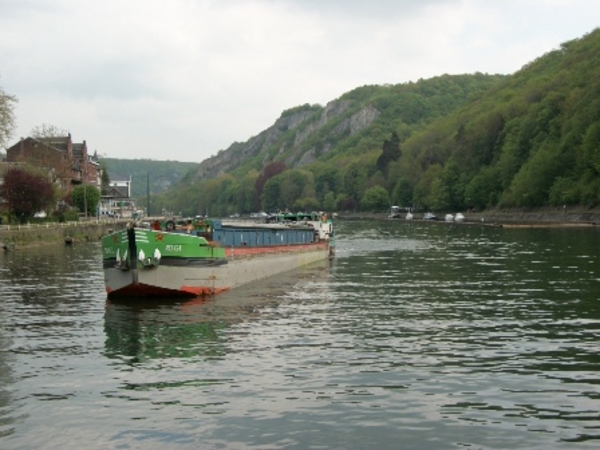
{"type": "Point", "coordinates": [58, 142]}
{"type": "Point", "coordinates": [117, 192]}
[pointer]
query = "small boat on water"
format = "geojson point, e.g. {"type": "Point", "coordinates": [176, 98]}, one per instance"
{"type": "Point", "coordinates": [394, 212]}
{"type": "Point", "coordinates": [429, 216]}
{"type": "Point", "coordinates": [459, 217]}
{"type": "Point", "coordinates": [449, 218]}
{"type": "Point", "coordinates": [409, 216]}
{"type": "Point", "coordinates": [206, 257]}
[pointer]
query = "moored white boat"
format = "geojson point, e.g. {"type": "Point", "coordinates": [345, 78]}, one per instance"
{"type": "Point", "coordinates": [394, 212]}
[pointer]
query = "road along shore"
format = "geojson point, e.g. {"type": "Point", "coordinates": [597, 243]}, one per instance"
{"type": "Point", "coordinates": [542, 218]}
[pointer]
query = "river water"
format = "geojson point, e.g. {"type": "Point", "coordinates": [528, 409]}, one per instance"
{"type": "Point", "coordinates": [417, 336]}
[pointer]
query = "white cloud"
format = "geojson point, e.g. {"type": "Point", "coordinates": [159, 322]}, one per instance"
{"type": "Point", "coordinates": [185, 78]}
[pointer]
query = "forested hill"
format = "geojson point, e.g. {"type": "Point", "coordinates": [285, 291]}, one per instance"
{"type": "Point", "coordinates": [356, 123]}
{"type": "Point", "coordinates": [161, 174]}
{"type": "Point", "coordinates": [532, 141]}
{"type": "Point", "coordinates": [447, 143]}
{"type": "Point", "coordinates": [326, 139]}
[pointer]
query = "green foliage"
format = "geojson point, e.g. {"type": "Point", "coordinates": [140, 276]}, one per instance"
{"type": "Point", "coordinates": [353, 179]}
{"type": "Point", "coordinates": [469, 141]}
{"type": "Point", "coordinates": [105, 180]}
{"type": "Point", "coordinates": [162, 174]}
{"type": "Point", "coordinates": [484, 189]}
{"type": "Point", "coordinates": [390, 152]}
{"type": "Point", "coordinates": [68, 215]}
{"type": "Point", "coordinates": [271, 195]}
{"type": "Point", "coordinates": [590, 149]}
{"type": "Point", "coordinates": [303, 108]}
{"type": "Point", "coordinates": [326, 180]}
{"type": "Point", "coordinates": [403, 193]}
{"type": "Point", "coordinates": [426, 191]}
{"type": "Point", "coordinates": [563, 192]}
{"type": "Point", "coordinates": [329, 202]}
{"type": "Point", "coordinates": [271, 170]}
{"type": "Point", "coordinates": [86, 198]}
{"type": "Point", "coordinates": [531, 185]}
{"type": "Point", "coordinates": [307, 204]}
{"type": "Point", "coordinates": [295, 185]}
{"type": "Point", "coordinates": [375, 199]}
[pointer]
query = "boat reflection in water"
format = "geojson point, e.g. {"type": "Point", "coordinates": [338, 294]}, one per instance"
{"type": "Point", "coordinates": [147, 329]}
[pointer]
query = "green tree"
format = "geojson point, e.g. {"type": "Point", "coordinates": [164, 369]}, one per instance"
{"type": "Point", "coordinates": [270, 170]}
{"type": "Point", "coordinates": [296, 184]}
{"type": "Point", "coordinates": [329, 202]}
{"type": "Point", "coordinates": [354, 179]}
{"type": "Point", "coordinates": [375, 199]}
{"type": "Point", "coordinates": [439, 198]}
{"type": "Point", "coordinates": [447, 191]}
{"type": "Point", "coordinates": [86, 198]}
{"type": "Point", "coordinates": [402, 193]}
{"type": "Point", "coordinates": [164, 175]}
{"type": "Point", "coordinates": [306, 204]}
{"type": "Point", "coordinates": [390, 152]}
{"type": "Point", "coordinates": [105, 180]}
{"type": "Point", "coordinates": [531, 186]}
{"type": "Point", "coordinates": [424, 190]}
{"type": "Point", "coordinates": [591, 148]}
{"type": "Point", "coordinates": [271, 195]}
{"type": "Point", "coordinates": [245, 194]}
{"type": "Point", "coordinates": [292, 184]}
{"type": "Point", "coordinates": [484, 189]}
{"type": "Point", "coordinates": [326, 179]}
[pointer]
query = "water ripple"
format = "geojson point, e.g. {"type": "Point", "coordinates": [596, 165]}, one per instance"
{"type": "Point", "coordinates": [416, 336]}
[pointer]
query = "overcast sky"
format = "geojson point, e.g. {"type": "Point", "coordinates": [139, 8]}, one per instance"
{"type": "Point", "coordinates": [183, 79]}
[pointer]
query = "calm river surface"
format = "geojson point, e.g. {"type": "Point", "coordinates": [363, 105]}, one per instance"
{"type": "Point", "coordinates": [418, 336]}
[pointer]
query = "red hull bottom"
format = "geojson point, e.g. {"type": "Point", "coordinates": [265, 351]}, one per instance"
{"type": "Point", "coordinates": [145, 290]}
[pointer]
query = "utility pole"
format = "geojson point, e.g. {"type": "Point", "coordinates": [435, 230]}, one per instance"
{"type": "Point", "coordinates": [148, 194]}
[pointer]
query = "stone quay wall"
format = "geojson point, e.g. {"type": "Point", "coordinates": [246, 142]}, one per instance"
{"type": "Point", "coordinates": [28, 235]}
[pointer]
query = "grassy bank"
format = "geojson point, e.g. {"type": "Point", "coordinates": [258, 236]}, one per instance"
{"type": "Point", "coordinates": [22, 236]}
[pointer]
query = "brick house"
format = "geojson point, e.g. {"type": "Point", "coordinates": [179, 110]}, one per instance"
{"type": "Point", "coordinates": [68, 164]}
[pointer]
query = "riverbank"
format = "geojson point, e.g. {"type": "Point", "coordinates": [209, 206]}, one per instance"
{"type": "Point", "coordinates": [22, 236]}
{"type": "Point", "coordinates": [538, 218]}
{"type": "Point", "coordinates": [14, 237]}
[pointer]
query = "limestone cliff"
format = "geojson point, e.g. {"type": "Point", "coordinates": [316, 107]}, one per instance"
{"type": "Point", "coordinates": [289, 138]}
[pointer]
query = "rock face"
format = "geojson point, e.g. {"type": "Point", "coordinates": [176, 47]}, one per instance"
{"type": "Point", "coordinates": [287, 138]}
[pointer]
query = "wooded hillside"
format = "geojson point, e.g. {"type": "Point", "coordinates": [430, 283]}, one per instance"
{"type": "Point", "coordinates": [448, 143]}
{"type": "Point", "coordinates": [161, 174]}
